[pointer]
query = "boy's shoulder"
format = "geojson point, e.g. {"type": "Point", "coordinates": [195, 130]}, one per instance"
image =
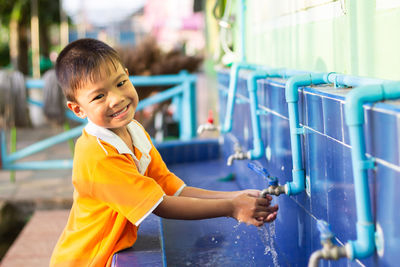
{"type": "Point", "coordinates": [92, 146]}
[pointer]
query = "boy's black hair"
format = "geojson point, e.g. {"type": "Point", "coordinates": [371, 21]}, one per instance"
{"type": "Point", "coordinates": [83, 61]}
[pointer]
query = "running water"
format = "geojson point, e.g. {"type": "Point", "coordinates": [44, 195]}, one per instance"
{"type": "Point", "coordinates": [267, 235]}
{"type": "Point", "coordinates": [237, 225]}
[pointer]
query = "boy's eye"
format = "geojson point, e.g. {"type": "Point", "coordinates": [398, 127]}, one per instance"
{"type": "Point", "coordinates": [98, 97]}
{"type": "Point", "coordinates": [121, 83]}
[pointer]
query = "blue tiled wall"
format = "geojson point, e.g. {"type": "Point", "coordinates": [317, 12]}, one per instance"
{"type": "Point", "coordinates": [175, 152]}
{"type": "Point", "coordinates": [327, 161]}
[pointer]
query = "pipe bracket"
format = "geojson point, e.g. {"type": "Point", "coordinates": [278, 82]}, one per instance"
{"type": "Point", "coordinates": [300, 130]}
{"type": "Point", "coordinates": [261, 112]}
{"type": "Point", "coordinates": [367, 164]}
{"type": "Point", "coordinates": [240, 101]}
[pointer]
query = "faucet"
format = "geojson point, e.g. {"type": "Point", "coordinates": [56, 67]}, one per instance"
{"type": "Point", "coordinates": [274, 188]}
{"type": "Point", "coordinates": [209, 126]}
{"type": "Point", "coordinates": [239, 154]}
{"type": "Point", "coordinates": [206, 127]}
{"type": "Point", "coordinates": [329, 251]}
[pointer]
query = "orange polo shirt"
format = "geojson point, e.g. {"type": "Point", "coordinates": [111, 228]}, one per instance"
{"type": "Point", "coordinates": [115, 190]}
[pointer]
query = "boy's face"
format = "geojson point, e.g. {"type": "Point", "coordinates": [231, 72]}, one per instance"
{"type": "Point", "coordinates": [109, 102]}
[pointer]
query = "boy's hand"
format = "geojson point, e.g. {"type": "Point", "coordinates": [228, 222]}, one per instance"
{"type": "Point", "coordinates": [253, 210]}
{"type": "Point", "coordinates": [251, 192]}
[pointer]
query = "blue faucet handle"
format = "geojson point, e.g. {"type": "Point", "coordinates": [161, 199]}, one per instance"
{"type": "Point", "coordinates": [258, 169]}
{"type": "Point", "coordinates": [273, 181]}
{"type": "Point", "coordinates": [325, 230]}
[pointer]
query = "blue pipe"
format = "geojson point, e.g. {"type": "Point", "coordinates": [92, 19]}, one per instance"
{"type": "Point", "coordinates": [296, 186]}
{"type": "Point", "coordinates": [34, 83]}
{"type": "Point", "coordinates": [39, 146]}
{"type": "Point", "coordinates": [3, 147]}
{"type": "Point", "coordinates": [292, 97]}
{"type": "Point", "coordinates": [258, 145]}
{"type": "Point", "coordinates": [70, 115]}
{"type": "Point", "coordinates": [40, 165]}
{"type": "Point", "coordinates": [364, 246]}
{"type": "Point", "coordinates": [160, 97]}
{"type": "Point", "coordinates": [347, 80]}
{"type": "Point", "coordinates": [233, 80]}
{"type": "Point", "coordinates": [170, 79]}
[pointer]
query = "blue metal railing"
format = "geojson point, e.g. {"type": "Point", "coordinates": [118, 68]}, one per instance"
{"type": "Point", "coordinates": [183, 94]}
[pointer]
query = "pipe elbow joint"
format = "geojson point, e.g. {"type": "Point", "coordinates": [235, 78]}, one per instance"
{"type": "Point", "coordinates": [297, 185]}
{"type": "Point", "coordinates": [355, 99]}
{"type": "Point", "coordinates": [364, 246]}
{"type": "Point", "coordinates": [293, 84]}
{"type": "Point", "coordinates": [226, 127]}
{"type": "Point", "coordinates": [360, 251]}
{"type": "Point", "coordinates": [252, 80]}
{"type": "Point", "coordinates": [258, 150]}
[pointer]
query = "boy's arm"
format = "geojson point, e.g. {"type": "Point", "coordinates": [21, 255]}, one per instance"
{"type": "Point", "coordinates": [243, 208]}
{"type": "Point", "coordinates": [189, 191]}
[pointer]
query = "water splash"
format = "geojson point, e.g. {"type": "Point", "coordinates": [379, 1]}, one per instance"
{"type": "Point", "coordinates": [237, 225]}
{"type": "Point", "coordinates": [267, 235]}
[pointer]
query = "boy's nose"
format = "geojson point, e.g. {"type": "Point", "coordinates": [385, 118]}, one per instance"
{"type": "Point", "coordinates": [115, 98]}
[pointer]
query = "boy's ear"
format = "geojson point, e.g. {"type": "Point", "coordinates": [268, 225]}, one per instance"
{"type": "Point", "coordinates": [76, 109]}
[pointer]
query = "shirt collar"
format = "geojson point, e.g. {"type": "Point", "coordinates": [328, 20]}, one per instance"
{"type": "Point", "coordinates": [110, 137]}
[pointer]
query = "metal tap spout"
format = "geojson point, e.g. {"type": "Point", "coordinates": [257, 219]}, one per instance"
{"type": "Point", "coordinates": [274, 190]}
{"type": "Point", "coordinates": [329, 251]}
{"type": "Point", "coordinates": [238, 155]}
{"type": "Point", "coordinates": [206, 127]}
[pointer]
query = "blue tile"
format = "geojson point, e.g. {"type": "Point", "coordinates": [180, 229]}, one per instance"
{"type": "Point", "coordinates": [314, 116]}
{"type": "Point", "coordinates": [277, 99]}
{"type": "Point", "coordinates": [280, 163]}
{"type": "Point", "coordinates": [147, 249]}
{"type": "Point", "coordinates": [315, 162]}
{"type": "Point", "coordinates": [346, 136]}
{"type": "Point", "coordinates": [340, 190]}
{"type": "Point", "coordinates": [222, 99]}
{"type": "Point", "coordinates": [387, 215]}
{"type": "Point", "coordinates": [382, 135]}
{"type": "Point", "coordinates": [242, 85]}
{"type": "Point", "coordinates": [291, 233]}
{"type": "Point", "coordinates": [223, 78]}
{"type": "Point", "coordinates": [302, 108]}
{"type": "Point", "coordinates": [262, 95]}
{"type": "Point", "coordinates": [332, 113]}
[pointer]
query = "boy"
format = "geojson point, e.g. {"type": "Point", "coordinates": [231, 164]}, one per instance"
{"type": "Point", "coordinates": [118, 175]}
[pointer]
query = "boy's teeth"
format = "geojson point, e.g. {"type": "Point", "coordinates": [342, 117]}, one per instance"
{"type": "Point", "coordinates": [116, 114]}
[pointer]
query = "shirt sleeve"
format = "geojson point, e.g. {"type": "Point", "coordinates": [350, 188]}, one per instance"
{"type": "Point", "coordinates": [169, 182]}
{"type": "Point", "coordinates": [117, 182]}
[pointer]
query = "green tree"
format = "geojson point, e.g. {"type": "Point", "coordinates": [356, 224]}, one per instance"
{"type": "Point", "coordinates": [15, 15]}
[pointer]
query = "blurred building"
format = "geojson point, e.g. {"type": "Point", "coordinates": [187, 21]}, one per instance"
{"type": "Point", "coordinates": [174, 23]}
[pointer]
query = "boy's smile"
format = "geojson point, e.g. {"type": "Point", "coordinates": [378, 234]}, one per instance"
{"type": "Point", "coordinates": [109, 100]}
